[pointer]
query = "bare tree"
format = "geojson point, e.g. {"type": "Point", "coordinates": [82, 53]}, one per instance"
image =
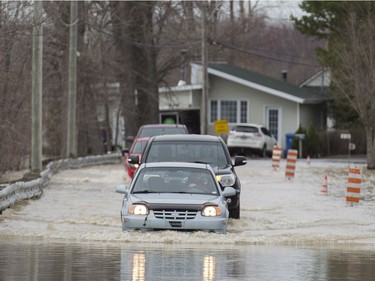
{"type": "Point", "coordinates": [55, 77]}
{"type": "Point", "coordinates": [134, 36]}
{"type": "Point", "coordinates": [353, 76]}
{"type": "Point", "coordinates": [140, 44]}
{"type": "Point", "coordinates": [15, 83]}
{"type": "Point", "coordinates": [56, 81]}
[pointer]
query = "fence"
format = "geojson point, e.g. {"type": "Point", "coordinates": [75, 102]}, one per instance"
{"type": "Point", "coordinates": [18, 191]}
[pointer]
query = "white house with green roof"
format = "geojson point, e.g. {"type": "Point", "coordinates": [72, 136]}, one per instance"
{"type": "Point", "coordinates": [242, 96]}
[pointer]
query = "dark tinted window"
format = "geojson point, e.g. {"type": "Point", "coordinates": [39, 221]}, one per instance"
{"type": "Point", "coordinates": [138, 147]}
{"type": "Point", "coordinates": [149, 132]}
{"type": "Point", "coordinates": [203, 152]}
{"type": "Point", "coordinates": [245, 129]}
{"type": "Point", "coordinates": [265, 131]}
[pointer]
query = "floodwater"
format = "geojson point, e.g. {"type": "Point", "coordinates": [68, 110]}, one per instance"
{"type": "Point", "coordinates": [287, 231]}
{"type": "Point", "coordinates": [40, 260]}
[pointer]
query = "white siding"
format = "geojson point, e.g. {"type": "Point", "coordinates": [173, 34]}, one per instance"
{"type": "Point", "coordinates": [221, 89]}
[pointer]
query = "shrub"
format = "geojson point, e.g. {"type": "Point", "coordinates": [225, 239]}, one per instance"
{"type": "Point", "coordinates": [311, 144]}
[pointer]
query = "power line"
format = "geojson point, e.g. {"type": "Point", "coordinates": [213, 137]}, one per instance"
{"type": "Point", "coordinates": [147, 45]}
{"type": "Point", "coordinates": [198, 41]}
{"type": "Point", "coordinates": [222, 44]}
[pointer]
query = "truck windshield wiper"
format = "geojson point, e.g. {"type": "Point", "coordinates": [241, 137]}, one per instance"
{"type": "Point", "coordinates": [145, 191]}
{"type": "Point", "coordinates": [202, 162]}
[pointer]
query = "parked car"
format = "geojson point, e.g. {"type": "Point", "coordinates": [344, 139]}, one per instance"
{"type": "Point", "coordinates": [151, 130]}
{"type": "Point", "coordinates": [167, 196]}
{"type": "Point", "coordinates": [251, 138]}
{"type": "Point", "coordinates": [207, 149]}
{"type": "Point", "coordinates": [136, 149]}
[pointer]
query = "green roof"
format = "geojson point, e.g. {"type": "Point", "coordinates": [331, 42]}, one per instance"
{"type": "Point", "coordinates": [272, 85]}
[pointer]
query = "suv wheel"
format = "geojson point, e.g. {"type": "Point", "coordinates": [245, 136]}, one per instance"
{"type": "Point", "coordinates": [263, 152]}
{"type": "Point", "coordinates": [235, 213]}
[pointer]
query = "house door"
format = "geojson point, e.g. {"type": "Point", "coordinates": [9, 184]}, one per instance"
{"type": "Point", "coordinates": [273, 122]}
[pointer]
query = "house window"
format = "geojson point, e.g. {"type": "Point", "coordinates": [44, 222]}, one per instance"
{"type": "Point", "coordinates": [243, 112]}
{"type": "Point", "coordinates": [228, 111]}
{"type": "Point", "coordinates": [273, 118]}
{"type": "Point", "coordinates": [213, 116]}
{"type": "Point", "coordinates": [232, 111]}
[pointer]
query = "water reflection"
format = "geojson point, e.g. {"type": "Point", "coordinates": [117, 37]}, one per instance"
{"type": "Point", "coordinates": [167, 264]}
{"type": "Point", "coordinates": [38, 260]}
{"type": "Point", "coordinates": [139, 267]}
{"type": "Point", "coordinates": [208, 268]}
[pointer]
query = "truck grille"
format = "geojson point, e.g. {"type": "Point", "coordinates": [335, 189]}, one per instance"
{"type": "Point", "coordinates": [175, 214]}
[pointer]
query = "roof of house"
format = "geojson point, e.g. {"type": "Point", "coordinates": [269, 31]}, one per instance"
{"type": "Point", "coordinates": [267, 84]}
{"type": "Point", "coordinates": [322, 78]}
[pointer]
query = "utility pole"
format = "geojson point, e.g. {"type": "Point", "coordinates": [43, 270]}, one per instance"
{"type": "Point", "coordinates": [36, 119]}
{"type": "Point", "coordinates": [204, 119]}
{"type": "Point", "coordinates": [72, 95]}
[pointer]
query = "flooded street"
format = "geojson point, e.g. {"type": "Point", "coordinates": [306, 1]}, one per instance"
{"type": "Point", "coordinates": [41, 260]}
{"type": "Point", "coordinates": [287, 231]}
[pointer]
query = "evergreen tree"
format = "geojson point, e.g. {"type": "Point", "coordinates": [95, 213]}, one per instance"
{"type": "Point", "coordinates": [349, 28]}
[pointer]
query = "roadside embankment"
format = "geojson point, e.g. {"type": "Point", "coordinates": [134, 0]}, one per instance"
{"type": "Point", "coordinates": [12, 193]}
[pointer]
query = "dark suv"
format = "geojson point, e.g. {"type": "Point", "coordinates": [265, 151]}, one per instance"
{"type": "Point", "coordinates": [198, 149]}
{"type": "Point", "coordinates": [150, 130]}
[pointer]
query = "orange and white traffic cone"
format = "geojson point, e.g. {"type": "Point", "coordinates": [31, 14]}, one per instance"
{"type": "Point", "coordinates": [291, 160]}
{"type": "Point", "coordinates": [276, 155]}
{"type": "Point", "coordinates": [324, 189]}
{"type": "Point", "coordinates": [353, 191]}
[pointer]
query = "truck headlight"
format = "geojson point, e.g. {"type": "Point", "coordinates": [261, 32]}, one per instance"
{"type": "Point", "coordinates": [211, 211]}
{"type": "Point", "coordinates": [226, 180]}
{"type": "Point", "coordinates": [138, 209]}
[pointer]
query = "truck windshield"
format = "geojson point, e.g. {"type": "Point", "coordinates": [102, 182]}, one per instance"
{"type": "Point", "coordinates": [200, 152]}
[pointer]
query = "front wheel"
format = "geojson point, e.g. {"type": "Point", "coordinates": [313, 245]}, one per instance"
{"type": "Point", "coordinates": [263, 152]}
{"type": "Point", "coordinates": [235, 213]}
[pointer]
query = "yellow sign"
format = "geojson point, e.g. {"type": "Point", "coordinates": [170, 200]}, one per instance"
{"type": "Point", "coordinates": [221, 127]}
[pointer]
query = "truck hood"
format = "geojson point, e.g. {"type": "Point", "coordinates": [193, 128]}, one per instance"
{"type": "Point", "coordinates": [177, 199]}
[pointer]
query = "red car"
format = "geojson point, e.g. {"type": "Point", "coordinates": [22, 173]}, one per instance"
{"type": "Point", "coordinates": [136, 149]}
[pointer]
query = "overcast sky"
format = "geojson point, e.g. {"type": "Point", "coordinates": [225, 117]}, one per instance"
{"type": "Point", "coordinates": [280, 10]}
